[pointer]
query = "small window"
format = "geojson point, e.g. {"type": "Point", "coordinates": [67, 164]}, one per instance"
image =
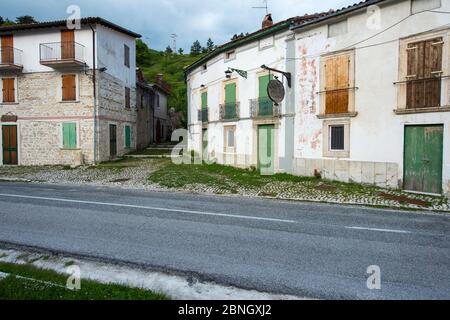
{"type": "Point", "coordinates": [337, 29]}
{"type": "Point", "coordinates": [127, 55]}
{"type": "Point", "coordinates": [230, 55]}
{"type": "Point", "coordinates": [69, 87]}
{"type": "Point", "coordinates": [424, 5]}
{"type": "Point", "coordinates": [9, 90]}
{"type": "Point", "coordinates": [127, 98]}
{"type": "Point", "coordinates": [128, 135]}
{"type": "Point", "coordinates": [69, 135]}
{"type": "Point", "coordinates": [337, 138]}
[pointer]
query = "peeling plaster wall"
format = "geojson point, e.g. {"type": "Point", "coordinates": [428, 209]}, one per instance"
{"type": "Point", "coordinates": [376, 133]}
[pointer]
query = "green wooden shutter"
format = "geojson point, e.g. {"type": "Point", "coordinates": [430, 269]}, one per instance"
{"type": "Point", "coordinates": [230, 93]}
{"type": "Point", "coordinates": [128, 137]}
{"type": "Point", "coordinates": [263, 83]}
{"type": "Point", "coordinates": [69, 135]}
{"type": "Point", "coordinates": [204, 100]}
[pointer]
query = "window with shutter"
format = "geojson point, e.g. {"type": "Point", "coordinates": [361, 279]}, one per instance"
{"type": "Point", "coordinates": [127, 55]}
{"type": "Point", "coordinates": [69, 88]}
{"type": "Point", "coordinates": [337, 84]}
{"type": "Point", "coordinates": [8, 90]}
{"type": "Point", "coordinates": [424, 71]}
{"type": "Point", "coordinates": [127, 98]}
{"type": "Point", "coordinates": [69, 135]}
{"type": "Point", "coordinates": [204, 100]}
{"type": "Point", "coordinates": [127, 137]}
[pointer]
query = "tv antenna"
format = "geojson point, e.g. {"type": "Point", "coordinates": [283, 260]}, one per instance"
{"type": "Point", "coordinates": [264, 6]}
{"type": "Point", "coordinates": [174, 37]}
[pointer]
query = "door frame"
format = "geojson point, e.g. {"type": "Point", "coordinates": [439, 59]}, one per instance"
{"type": "Point", "coordinates": [109, 139]}
{"type": "Point", "coordinates": [16, 124]}
{"type": "Point", "coordinates": [254, 149]}
{"type": "Point", "coordinates": [414, 124]}
{"type": "Point", "coordinates": [274, 148]}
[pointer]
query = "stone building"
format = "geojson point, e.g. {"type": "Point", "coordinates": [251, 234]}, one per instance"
{"type": "Point", "coordinates": [153, 119]}
{"type": "Point", "coordinates": [68, 94]}
{"type": "Point", "coordinates": [367, 96]}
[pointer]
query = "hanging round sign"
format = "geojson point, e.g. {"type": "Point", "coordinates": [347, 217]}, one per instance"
{"type": "Point", "coordinates": [275, 90]}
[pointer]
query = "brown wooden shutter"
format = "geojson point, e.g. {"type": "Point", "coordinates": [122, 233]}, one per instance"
{"type": "Point", "coordinates": [67, 44]}
{"type": "Point", "coordinates": [69, 89]}
{"type": "Point", "coordinates": [9, 94]}
{"type": "Point", "coordinates": [337, 74]}
{"type": "Point", "coordinates": [7, 56]}
{"type": "Point", "coordinates": [424, 66]}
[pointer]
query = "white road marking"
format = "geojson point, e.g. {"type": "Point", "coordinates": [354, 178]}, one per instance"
{"type": "Point", "coordinates": [149, 208]}
{"type": "Point", "coordinates": [379, 230]}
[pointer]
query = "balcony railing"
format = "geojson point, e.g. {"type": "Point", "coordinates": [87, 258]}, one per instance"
{"type": "Point", "coordinates": [10, 59]}
{"type": "Point", "coordinates": [229, 111]}
{"type": "Point", "coordinates": [264, 108]}
{"type": "Point", "coordinates": [203, 115]}
{"type": "Point", "coordinates": [64, 54]}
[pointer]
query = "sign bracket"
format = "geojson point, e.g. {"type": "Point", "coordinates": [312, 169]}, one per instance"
{"type": "Point", "coordinates": [288, 75]}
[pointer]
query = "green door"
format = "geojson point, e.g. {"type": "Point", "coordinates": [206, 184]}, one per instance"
{"type": "Point", "coordinates": [230, 101]}
{"type": "Point", "coordinates": [266, 153]}
{"type": "Point", "coordinates": [127, 137]}
{"type": "Point", "coordinates": [423, 158]}
{"type": "Point", "coordinates": [264, 103]}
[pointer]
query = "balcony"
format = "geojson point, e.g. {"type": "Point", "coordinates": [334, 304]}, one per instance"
{"type": "Point", "coordinates": [203, 115]}
{"type": "Point", "coordinates": [62, 55]}
{"type": "Point", "coordinates": [264, 108]}
{"type": "Point", "coordinates": [10, 59]}
{"type": "Point", "coordinates": [229, 111]}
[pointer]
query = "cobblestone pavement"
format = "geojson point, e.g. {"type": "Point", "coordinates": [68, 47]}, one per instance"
{"type": "Point", "coordinates": [134, 173]}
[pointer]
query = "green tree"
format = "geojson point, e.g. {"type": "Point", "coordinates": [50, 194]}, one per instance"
{"type": "Point", "coordinates": [210, 45]}
{"type": "Point", "coordinates": [169, 50]}
{"type": "Point", "coordinates": [181, 51]}
{"type": "Point", "coordinates": [1, 21]}
{"type": "Point", "coordinates": [27, 19]}
{"type": "Point", "coordinates": [196, 48]}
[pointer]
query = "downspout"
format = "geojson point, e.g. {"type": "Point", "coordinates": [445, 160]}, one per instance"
{"type": "Point", "coordinates": [94, 79]}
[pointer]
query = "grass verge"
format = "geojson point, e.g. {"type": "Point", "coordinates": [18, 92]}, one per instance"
{"type": "Point", "coordinates": [49, 285]}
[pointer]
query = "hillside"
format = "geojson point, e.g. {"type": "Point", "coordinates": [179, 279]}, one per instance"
{"type": "Point", "coordinates": [152, 62]}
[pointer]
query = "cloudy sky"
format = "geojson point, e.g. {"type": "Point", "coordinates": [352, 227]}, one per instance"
{"type": "Point", "coordinates": [156, 20]}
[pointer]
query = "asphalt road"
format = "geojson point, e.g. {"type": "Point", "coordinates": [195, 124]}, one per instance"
{"type": "Point", "coordinates": [312, 250]}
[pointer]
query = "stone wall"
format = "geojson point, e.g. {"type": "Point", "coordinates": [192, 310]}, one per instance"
{"type": "Point", "coordinates": [381, 174]}
{"type": "Point", "coordinates": [41, 112]}
{"type": "Point", "coordinates": [111, 100]}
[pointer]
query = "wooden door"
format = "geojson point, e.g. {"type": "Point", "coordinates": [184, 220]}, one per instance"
{"type": "Point", "coordinates": [423, 158]}
{"type": "Point", "coordinates": [112, 140]}
{"type": "Point", "coordinates": [9, 139]}
{"type": "Point", "coordinates": [7, 50]}
{"type": "Point", "coordinates": [67, 44]}
{"type": "Point", "coordinates": [266, 149]}
{"type": "Point", "coordinates": [230, 101]}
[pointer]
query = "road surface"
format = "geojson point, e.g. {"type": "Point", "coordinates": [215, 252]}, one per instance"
{"type": "Point", "coordinates": [305, 249]}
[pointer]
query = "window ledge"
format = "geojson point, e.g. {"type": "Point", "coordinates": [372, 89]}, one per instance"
{"type": "Point", "coordinates": [337, 115]}
{"type": "Point", "coordinates": [9, 103]}
{"type": "Point", "coordinates": [422, 110]}
{"type": "Point", "coordinates": [70, 149]}
{"type": "Point", "coordinates": [66, 102]}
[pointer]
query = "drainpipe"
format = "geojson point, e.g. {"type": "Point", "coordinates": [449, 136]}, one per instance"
{"type": "Point", "coordinates": [94, 79]}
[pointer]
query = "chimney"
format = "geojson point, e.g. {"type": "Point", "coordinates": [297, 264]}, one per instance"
{"type": "Point", "coordinates": [159, 78]}
{"type": "Point", "coordinates": [267, 22]}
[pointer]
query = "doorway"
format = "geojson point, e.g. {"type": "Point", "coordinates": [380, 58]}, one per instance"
{"type": "Point", "coordinates": [266, 146]}
{"type": "Point", "coordinates": [9, 138]}
{"type": "Point", "coordinates": [112, 140]}
{"type": "Point", "coordinates": [423, 158]}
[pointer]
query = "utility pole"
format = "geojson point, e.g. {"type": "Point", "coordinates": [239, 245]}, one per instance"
{"type": "Point", "coordinates": [265, 6]}
{"type": "Point", "coordinates": [174, 37]}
